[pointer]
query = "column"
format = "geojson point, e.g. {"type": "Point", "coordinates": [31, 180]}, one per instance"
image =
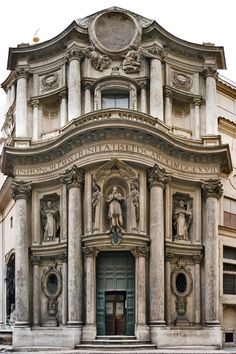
{"type": "Point", "coordinates": [36, 290]}
{"type": "Point", "coordinates": [63, 258]}
{"type": "Point", "coordinates": [89, 332]}
{"type": "Point", "coordinates": [141, 329]}
{"type": "Point", "coordinates": [156, 83]}
{"type": "Point", "coordinates": [35, 127]}
{"type": "Point", "coordinates": [63, 202]}
{"type": "Point", "coordinates": [157, 180]}
{"type": "Point", "coordinates": [212, 190]}
{"type": "Point", "coordinates": [74, 179]}
{"type": "Point", "coordinates": [143, 98]}
{"type": "Point", "coordinates": [21, 102]}
{"type": "Point", "coordinates": [197, 288]}
{"type": "Point", "coordinates": [74, 56]}
{"type": "Point", "coordinates": [210, 74]}
{"type": "Point", "coordinates": [168, 107]}
{"type": "Point", "coordinates": [88, 86]}
{"type": "Point", "coordinates": [196, 125]}
{"type": "Point", "coordinates": [21, 191]}
{"type": "Point", "coordinates": [63, 108]}
{"type": "Point", "coordinates": [13, 93]}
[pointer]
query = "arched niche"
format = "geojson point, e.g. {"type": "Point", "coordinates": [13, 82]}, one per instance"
{"type": "Point", "coordinates": [115, 173]}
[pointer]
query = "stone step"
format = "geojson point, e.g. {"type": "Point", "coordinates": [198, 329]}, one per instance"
{"type": "Point", "coordinates": [109, 347]}
{"type": "Point", "coordinates": [115, 341]}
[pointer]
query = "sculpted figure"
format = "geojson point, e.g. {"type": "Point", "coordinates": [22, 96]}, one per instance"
{"type": "Point", "coordinates": [182, 218]}
{"type": "Point", "coordinates": [115, 208]}
{"type": "Point", "coordinates": [134, 192]}
{"type": "Point", "coordinates": [12, 319]}
{"type": "Point", "coordinates": [132, 61]}
{"type": "Point", "coordinates": [99, 61]}
{"type": "Point", "coordinates": [50, 221]}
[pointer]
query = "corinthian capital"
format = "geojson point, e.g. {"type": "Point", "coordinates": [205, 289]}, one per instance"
{"type": "Point", "coordinates": [156, 52]}
{"type": "Point", "coordinates": [210, 71]}
{"type": "Point", "coordinates": [90, 251]}
{"type": "Point", "coordinates": [212, 188]}
{"type": "Point", "coordinates": [20, 190]}
{"type": "Point", "coordinates": [73, 177]}
{"type": "Point", "coordinates": [140, 251]}
{"type": "Point", "coordinates": [74, 53]}
{"type": "Point", "coordinates": [158, 176]}
{"type": "Point", "coordinates": [22, 72]}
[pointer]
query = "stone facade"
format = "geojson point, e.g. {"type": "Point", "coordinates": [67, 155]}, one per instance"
{"type": "Point", "coordinates": [118, 152]}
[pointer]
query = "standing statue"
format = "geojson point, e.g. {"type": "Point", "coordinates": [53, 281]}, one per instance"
{"type": "Point", "coordinates": [51, 221]}
{"type": "Point", "coordinates": [134, 193]}
{"type": "Point", "coordinates": [115, 216]}
{"type": "Point", "coordinates": [96, 197]}
{"type": "Point", "coordinates": [182, 218]}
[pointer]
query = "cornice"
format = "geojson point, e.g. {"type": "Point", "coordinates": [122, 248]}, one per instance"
{"type": "Point", "coordinates": [227, 126]}
{"type": "Point", "coordinates": [226, 88]}
{"type": "Point", "coordinates": [106, 125]}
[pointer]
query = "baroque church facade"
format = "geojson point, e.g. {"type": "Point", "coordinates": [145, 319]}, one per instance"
{"type": "Point", "coordinates": [117, 203]}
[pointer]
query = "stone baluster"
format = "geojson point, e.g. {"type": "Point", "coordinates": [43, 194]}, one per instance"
{"type": "Point", "coordinates": [63, 108]}
{"type": "Point", "coordinates": [212, 190]}
{"type": "Point", "coordinates": [156, 83]}
{"type": "Point", "coordinates": [168, 107]}
{"type": "Point", "coordinates": [74, 56]}
{"type": "Point", "coordinates": [141, 330]}
{"type": "Point", "coordinates": [35, 127]}
{"type": "Point", "coordinates": [36, 290]}
{"type": "Point", "coordinates": [21, 101]}
{"type": "Point", "coordinates": [88, 86]}
{"type": "Point", "coordinates": [210, 74]}
{"type": "Point", "coordinates": [89, 330]}
{"type": "Point", "coordinates": [74, 179]}
{"type": "Point", "coordinates": [21, 191]}
{"type": "Point", "coordinates": [157, 178]}
{"type": "Point", "coordinates": [197, 288]}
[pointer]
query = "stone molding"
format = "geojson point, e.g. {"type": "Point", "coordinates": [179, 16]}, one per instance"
{"type": "Point", "coordinates": [212, 188]}
{"type": "Point", "coordinates": [22, 72]}
{"type": "Point", "coordinates": [74, 177]}
{"type": "Point", "coordinates": [20, 190]}
{"type": "Point", "coordinates": [158, 177]}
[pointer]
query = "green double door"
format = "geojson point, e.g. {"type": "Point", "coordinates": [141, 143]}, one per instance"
{"type": "Point", "coordinates": [115, 293]}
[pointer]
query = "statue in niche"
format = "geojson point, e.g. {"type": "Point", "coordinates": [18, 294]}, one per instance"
{"type": "Point", "coordinates": [98, 61]}
{"type": "Point", "coordinates": [12, 318]}
{"type": "Point", "coordinates": [132, 61]}
{"type": "Point", "coordinates": [51, 221]}
{"type": "Point", "coordinates": [182, 218]}
{"type": "Point", "coordinates": [115, 214]}
{"type": "Point", "coordinates": [134, 193]}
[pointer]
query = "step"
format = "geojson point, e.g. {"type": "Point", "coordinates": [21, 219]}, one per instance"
{"type": "Point", "coordinates": [116, 347]}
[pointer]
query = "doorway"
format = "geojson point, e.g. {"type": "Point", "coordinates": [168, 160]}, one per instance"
{"type": "Point", "coordinates": [115, 293]}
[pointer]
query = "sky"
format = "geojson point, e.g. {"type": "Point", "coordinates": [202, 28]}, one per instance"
{"type": "Point", "coordinates": [196, 21]}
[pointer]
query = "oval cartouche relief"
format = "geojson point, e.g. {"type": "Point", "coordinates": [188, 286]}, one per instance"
{"type": "Point", "coordinates": [114, 32]}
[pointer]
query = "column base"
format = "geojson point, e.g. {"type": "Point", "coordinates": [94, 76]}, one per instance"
{"type": "Point", "coordinates": [89, 332]}
{"type": "Point", "coordinates": [158, 323]}
{"type": "Point", "coordinates": [74, 324]}
{"type": "Point", "coordinates": [212, 323]}
{"type": "Point", "coordinates": [142, 332]}
{"type": "Point", "coordinates": [21, 324]}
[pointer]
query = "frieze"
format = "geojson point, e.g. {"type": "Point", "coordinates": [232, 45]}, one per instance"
{"type": "Point", "coordinates": [148, 151]}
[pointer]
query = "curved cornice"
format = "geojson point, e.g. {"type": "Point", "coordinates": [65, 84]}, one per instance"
{"type": "Point", "coordinates": [120, 125]}
{"type": "Point", "coordinates": [171, 42]}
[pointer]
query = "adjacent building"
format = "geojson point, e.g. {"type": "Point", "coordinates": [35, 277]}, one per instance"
{"type": "Point", "coordinates": [117, 202]}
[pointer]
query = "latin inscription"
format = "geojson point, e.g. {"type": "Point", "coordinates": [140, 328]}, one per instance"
{"type": "Point", "coordinates": [119, 147]}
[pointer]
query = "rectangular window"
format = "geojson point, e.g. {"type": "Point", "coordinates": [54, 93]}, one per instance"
{"type": "Point", "coordinates": [115, 100]}
{"type": "Point", "coordinates": [229, 278]}
{"type": "Point", "coordinates": [230, 213]}
{"type": "Point", "coordinates": [229, 252]}
{"type": "Point", "coordinates": [229, 337]}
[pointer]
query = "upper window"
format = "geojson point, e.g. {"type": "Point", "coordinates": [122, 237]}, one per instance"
{"type": "Point", "coordinates": [115, 99]}
{"type": "Point", "coordinates": [230, 213]}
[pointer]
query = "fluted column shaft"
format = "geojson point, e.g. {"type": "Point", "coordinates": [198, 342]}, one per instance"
{"type": "Point", "coordinates": [20, 192]}
{"type": "Point", "coordinates": [36, 290]}
{"type": "Point", "coordinates": [35, 127]}
{"type": "Point", "coordinates": [212, 191]}
{"type": "Point", "coordinates": [157, 180]}
{"type": "Point", "coordinates": [21, 102]}
{"type": "Point", "coordinates": [74, 56]}
{"type": "Point", "coordinates": [211, 101]}
{"type": "Point", "coordinates": [63, 108]}
{"type": "Point", "coordinates": [74, 180]}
